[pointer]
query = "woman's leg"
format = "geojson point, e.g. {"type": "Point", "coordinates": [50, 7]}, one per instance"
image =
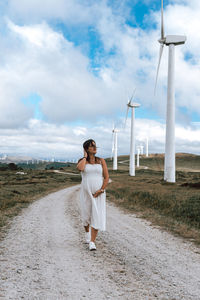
{"type": "Point", "coordinates": [87, 228]}
{"type": "Point", "coordinates": [93, 234]}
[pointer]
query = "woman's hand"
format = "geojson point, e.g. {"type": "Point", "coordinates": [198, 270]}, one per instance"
{"type": "Point", "coordinates": [97, 193]}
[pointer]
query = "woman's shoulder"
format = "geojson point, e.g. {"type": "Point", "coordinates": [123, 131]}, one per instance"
{"type": "Point", "coordinates": [101, 160]}
{"type": "Point", "coordinates": [97, 160]}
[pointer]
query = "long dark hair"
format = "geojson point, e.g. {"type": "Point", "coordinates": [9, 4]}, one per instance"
{"type": "Point", "coordinates": [86, 145]}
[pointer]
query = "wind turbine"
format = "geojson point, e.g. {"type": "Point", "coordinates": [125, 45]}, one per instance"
{"type": "Point", "coordinates": [171, 41]}
{"type": "Point", "coordinates": [147, 147]}
{"type": "Point", "coordinates": [111, 156]}
{"type": "Point", "coordinates": [138, 156]}
{"type": "Point", "coordinates": [141, 147]}
{"type": "Point", "coordinates": [114, 147]}
{"type": "Point", "coordinates": [132, 144]}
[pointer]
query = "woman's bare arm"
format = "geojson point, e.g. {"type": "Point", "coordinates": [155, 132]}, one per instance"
{"type": "Point", "coordinates": [105, 174]}
{"type": "Point", "coordinates": [106, 178]}
{"type": "Point", "coordinates": [81, 164]}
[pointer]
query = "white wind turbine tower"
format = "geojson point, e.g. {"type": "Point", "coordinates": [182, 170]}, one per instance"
{"type": "Point", "coordinates": [114, 147]}
{"type": "Point", "coordinates": [138, 156]}
{"type": "Point", "coordinates": [147, 147]}
{"type": "Point", "coordinates": [132, 144]}
{"type": "Point", "coordinates": [141, 148]}
{"type": "Point", "coordinates": [171, 41]}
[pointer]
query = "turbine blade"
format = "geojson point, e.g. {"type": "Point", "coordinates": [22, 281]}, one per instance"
{"type": "Point", "coordinates": [113, 125]}
{"type": "Point", "coordinates": [132, 95]}
{"type": "Point", "coordinates": [162, 22]}
{"type": "Point", "coordinates": [160, 56]}
{"type": "Point", "coordinates": [126, 116]}
{"type": "Point", "coordinates": [129, 102]}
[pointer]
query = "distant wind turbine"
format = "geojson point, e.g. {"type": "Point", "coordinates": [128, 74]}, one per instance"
{"type": "Point", "coordinates": [147, 147]}
{"type": "Point", "coordinates": [138, 156]}
{"type": "Point", "coordinates": [171, 41]}
{"type": "Point", "coordinates": [114, 147]}
{"type": "Point", "coordinates": [132, 144]}
{"type": "Point", "coordinates": [141, 148]}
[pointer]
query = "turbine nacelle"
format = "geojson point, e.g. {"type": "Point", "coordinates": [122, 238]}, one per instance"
{"type": "Point", "coordinates": [175, 39]}
{"type": "Point", "coordinates": [133, 104]}
{"type": "Point", "coordinates": [115, 130]}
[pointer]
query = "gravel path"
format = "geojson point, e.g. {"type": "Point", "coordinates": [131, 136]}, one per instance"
{"type": "Point", "coordinates": [44, 256]}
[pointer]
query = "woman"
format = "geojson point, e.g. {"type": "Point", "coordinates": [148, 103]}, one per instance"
{"type": "Point", "coordinates": [95, 178]}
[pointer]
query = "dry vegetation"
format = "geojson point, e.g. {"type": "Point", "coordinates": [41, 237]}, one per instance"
{"type": "Point", "coordinates": [175, 207]}
{"type": "Point", "coordinates": [18, 190]}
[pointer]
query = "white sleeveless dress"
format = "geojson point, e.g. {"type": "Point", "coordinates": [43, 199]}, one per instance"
{"type": "Point", "coordinates": [93, 210]}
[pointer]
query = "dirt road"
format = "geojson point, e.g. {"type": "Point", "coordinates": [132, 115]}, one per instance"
{"type": "Point", "coordinates": [44, 256]}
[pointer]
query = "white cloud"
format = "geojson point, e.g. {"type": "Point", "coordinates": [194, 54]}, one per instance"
{"type": "Point", "coordinates": [47, 64]}
{"type": "Point", "coordinates": [132, 65]}
{"type": "Point", "coordinates": [42, 61]}
{"type": "Point", "coordinates": [49, 140]}
{"type": "Point", "coordinates": [62, 10]}
{"type": "Point", "coordinates": [38, 35]}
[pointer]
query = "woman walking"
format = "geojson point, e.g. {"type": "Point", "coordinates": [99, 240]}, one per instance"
{"type": "Point", "coordinates": [95, 178]}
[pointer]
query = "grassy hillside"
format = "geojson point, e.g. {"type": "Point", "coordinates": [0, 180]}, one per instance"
{"type": "Point", "coordinates": [175, 207]}
{"type": "Point", "coordinates": [184, 161]}
{"type": "Point", "coordinates": [18, 190]}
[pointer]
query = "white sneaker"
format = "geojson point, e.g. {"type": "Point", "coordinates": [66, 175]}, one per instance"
{"type": "Point", "coordinates": [87, 237]}
{"type": "Point", "coordinates": [92, 246]}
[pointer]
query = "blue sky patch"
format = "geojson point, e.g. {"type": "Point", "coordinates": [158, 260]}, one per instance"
{"type": "Point", "coordinates": [33, 101]}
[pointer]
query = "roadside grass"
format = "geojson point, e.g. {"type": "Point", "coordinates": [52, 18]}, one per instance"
{"type": "Point", "coordinates": [19, 190]}
{"type": "Point", "coordinates": [173, 206]}
{"type": "Point", "coordinates": [184, 161]}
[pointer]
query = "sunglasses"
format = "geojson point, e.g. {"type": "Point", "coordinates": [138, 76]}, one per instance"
{"type": "Point", "coordinates": [93, 146]}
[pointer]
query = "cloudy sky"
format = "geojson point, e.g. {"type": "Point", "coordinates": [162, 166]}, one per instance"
{"type": "Point", "coordinates": [68, 67]}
